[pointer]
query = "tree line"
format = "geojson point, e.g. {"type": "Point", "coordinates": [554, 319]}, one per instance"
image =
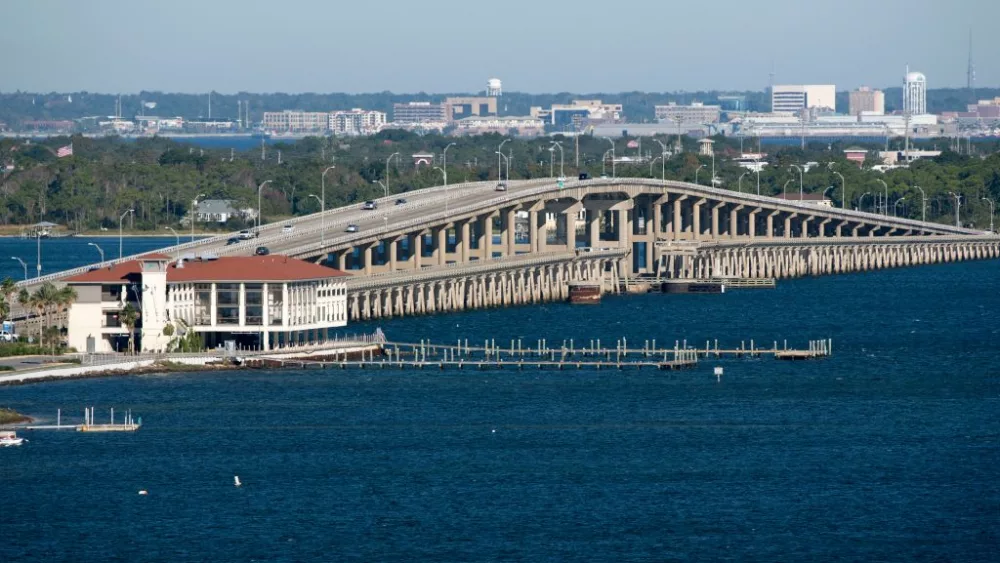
{"type": "Point", "coordinates": [160, 178]}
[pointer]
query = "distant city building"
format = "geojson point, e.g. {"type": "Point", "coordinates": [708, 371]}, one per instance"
{"type": "Point", "coordinates": [696, 114]}
{"type": "Point", "coordinates": [914, 93]}
{"type": "Point", "coordinates": [985, 109]}
{"type": "Point", "coordinates": [573, 116]}
{"type": "Point", "coordinates": [292, 121]}
{"type": "Point", "coordinates": [418, 112]}
{"type": "Point", "coordinates": [458, 108]}
{"type": "Point", "coordinates": [525, 126]}
{"type": "Point", "coordinates": [356, 122]}
{"type": "Point", "coordinates": [856, 155]}
{"type": "Point", "coordinates": [733, 102]}
{"type": "Point", "coordinates": [866, 100]}
{"type": "Point", "coordinates": [791, 98]}
{"type": "Point", "coordinates": [494, 87]}
{"type": "Point", "coordinates": [891, 158]}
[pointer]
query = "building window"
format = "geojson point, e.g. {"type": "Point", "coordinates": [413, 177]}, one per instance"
{"type": "Point", "coordinates": [227, 304]}
{"type": "Point", "coordinates": [275, 302]}
{"type": "Point", "coordinates": [254, 304]}
{"type": "Point", "coordinates": [203, 304]}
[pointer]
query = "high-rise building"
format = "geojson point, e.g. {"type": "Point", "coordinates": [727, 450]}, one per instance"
{"type": "Point", "coordinates": [791, 98]}
{"type": "Point", "coordinates": [292, 121]}
{"type": "Point", "coordinates": [356, 122]}
{"type": "Point", "coordinates": [695, 114]}
{"type": "Point", "coordinates": [418, 112]}
{"type": "Point", "coordinates": [914, 93]}
{"type": "Point", "coordinates": [866, 100]}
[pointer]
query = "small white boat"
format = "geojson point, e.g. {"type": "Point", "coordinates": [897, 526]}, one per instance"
{"type": "Point", "coordinates": [9, 438]}
{"type": "Point", "coordinates": [236, 481]}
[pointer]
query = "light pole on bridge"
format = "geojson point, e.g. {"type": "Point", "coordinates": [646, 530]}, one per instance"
{"type": "Point", "coordinates": [923, 203]}
{"type": "Point", "coordinates": [387, 172]}
{"type": "Point", "coordinates": [799, 168]}
{"type": "Point", "coordinates": [121, 220]}
{"type": "Point", "coordinates": [885, 199]}
{"type": "Point", "coordinates": [322, 202]}
{"type": "Point", "coordinates": [895, 206]}
{"type": "Point", "coordinates": [194, 213]}
{"type": "Point", "coordinates": [696, 171]}
{"type": "Point", "coordinates": [663, 160]}
{"type": "Point", "coordinates": [23, 265]}
{"type": "Point", "coordinates": [499, 165]}
{"type": "Point", "coordinates": [444, 163]}
{"type": "Point", "coordinates": [958, 208]}
{"type": "Point", "coordinates": [861, 200]}
{"type": "Point", "coordinates": [843, 186]}
{"type": "Point", "coordinates": [784, 190]}
{"type": "Point", "coordinates": [99, 249]}
{"type": "Point", "coordinates": [260, 188]}
{"type": "Point", "coordinates": [613, 173]}
{"type": "Point", "coordinates": [446, 198]}
{"type": "Point", "coordinates": [991, 212]}
{"type": "Point", "coordinates": [177, 238]}
{"type": "Point", "coordinates": [558, 145]}
{"type": "Point", "coordinates": [739, 183]}
{"type": "Point", "coordinates": [322, 228]}
{"type": "Point", "coordinates": [385, 188]}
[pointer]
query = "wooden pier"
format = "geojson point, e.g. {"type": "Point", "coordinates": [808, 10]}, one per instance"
{"type": "Point", "coordinates": [567, 356]}
{"type": "Point", "coordinates": [129, 424]}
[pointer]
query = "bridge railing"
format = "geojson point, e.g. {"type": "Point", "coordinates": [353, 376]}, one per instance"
{"type": "Point", "coordinates": [265, 229]}
{"type": "Point", "coordinates": [476, 268]}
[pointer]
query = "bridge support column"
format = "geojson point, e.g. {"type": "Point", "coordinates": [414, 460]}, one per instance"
{"type": "Point", "coordinates": [696, 219]}
{"type": "Point", "coordinates": [770, 223]}
{"type": "Point", "coordinates": [342, 260]}
{"type": "Point", "coordinates": [417, 250]}
{"type": "Point", "coordinates": [734, 221]}
{"type": "Point", "coordinates": [464, 247]}
{"type": "Point", "coordinates": [441, 245]}
{"type": "Point", "coordinates": [805, 227]}
{"type": "Point", "coordinates": [593, 228]}
{"type": "Point", "coordinates": [510, 240]}
{"type": "Point", "coordinates": [678, 218]}
{"type": "Point", "coordinates": [487, 237]}
{"type": "Point", "coordinates": [367, 259]}
{"type": "Point", "coordinates": [392, 253]}
{"type": "Point", "coordinates": [788, 225]}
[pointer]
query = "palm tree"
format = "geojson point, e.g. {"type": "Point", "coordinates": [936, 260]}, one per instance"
{"type": "Point", "coordinates": [7, 290]}
{"type": "Point", "coordinates": [128, 317]}
{"type": "Point", "coordinates": [43, 300]}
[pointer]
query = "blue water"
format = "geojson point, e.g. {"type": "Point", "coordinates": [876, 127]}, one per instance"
{"type": "Point", "coordinates": [60, 254]}
{"type": "Point", "coordinates": [888, 451]}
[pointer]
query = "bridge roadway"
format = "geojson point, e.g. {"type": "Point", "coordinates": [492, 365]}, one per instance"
{"type": "Point", "coordinates": [469, 245]}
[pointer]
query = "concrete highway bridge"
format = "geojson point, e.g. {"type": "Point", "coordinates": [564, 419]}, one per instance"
{"type": "Point", "coordinates": [470, 246]}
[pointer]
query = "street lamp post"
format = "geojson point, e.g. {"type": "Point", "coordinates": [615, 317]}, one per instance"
{"type": "Point", "coordinates": [194, 207]}
{"type": "Point", "coordinates": [552, 159]}
{"type": "Point", "coordinates": [385, 188]}
{"type": "Point", "coordinates": [322, 218]}
{"type": "Point", "coordinates": [885, 198]}
{"type": "Point", "coordinates": [784, 190]}
{"type": "Point", "coordinates": [99, 249]}
{"type": "Point", "coordinates": [861, 200]}
{"type": "Point", "coordinates": [894, 206]}
{"type": "Point", "coordinates": [651, 163]}
{"type": "Point", "coordinates": [604, 168]}
{"type": "Point", "coordinates": [121, 220]}
{"type": "Point", "coordinates": [663, 160]}
{"type": "Point", "coordinates": [991, 211]}
{"type": "Point", "coordinates": [446, 198]}
{"type": "Point", "coordinates": [613, 174]}
{"type": "Point", "coordinates": [696, 171]}
{"type": "Point", "coordinates": [558, 145]}
{"type": "Point", "coordinates": [322, 202]}
{"type": "Point", "coordinates": [799, 168]}
{"type": "Point", "coordinates": [259, 211]}
{"type": "Point", "coordinates": [387, 172]}
{"type": "Point", "coordinates": [38, 255]}
{"type": "Point", "coordinates": [843, 190]}
{"type": "Point", "coordinates": [177, 239]}
{"type": "Point", "coordinates": [739, 183]}
{"type": "Point", "coordinates": [499, 165]}
{"type": "Point", "coordinates": [923, 204]}
{"type": "Point", "coordinates": [23, 265]}
{"type": "Point", "coordinates": [444, 163]}
{"type": "Point", "coordinates": [958, 208]}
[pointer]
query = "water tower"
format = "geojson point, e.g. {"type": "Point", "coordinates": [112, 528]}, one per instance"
{"type": "Point", "coordinates": [494, 87]}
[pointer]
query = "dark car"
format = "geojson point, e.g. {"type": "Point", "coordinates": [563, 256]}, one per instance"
{"type": "Point", "coordinates": [584, 176]}
{"type": "Point", "coordinates": [262, 251]}
{"type": "Point", "coordinates": [233, 240]}
{"type": "Point", "coordinates": [401, 201]}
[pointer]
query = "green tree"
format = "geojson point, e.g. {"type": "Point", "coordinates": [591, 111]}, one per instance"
{"type": "Point", "coordinates": [129, 317]}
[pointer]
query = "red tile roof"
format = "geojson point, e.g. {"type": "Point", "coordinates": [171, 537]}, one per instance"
{"type": "Point", "coordinates": [225, 269]}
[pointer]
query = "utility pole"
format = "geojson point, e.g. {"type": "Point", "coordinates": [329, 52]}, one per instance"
{"type": "Point", "coordinates": [958, 207]}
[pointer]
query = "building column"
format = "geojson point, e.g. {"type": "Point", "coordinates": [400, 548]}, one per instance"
{"type": "Point", "coordinates": [243, 304]}
{"type": "Point", "coordinates": [214, 302]}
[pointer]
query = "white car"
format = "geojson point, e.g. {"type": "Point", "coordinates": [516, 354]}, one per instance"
{"type": "Point", "coordinates": [287, 229]}
{"type": "Point", "coordinates": [351, 228]}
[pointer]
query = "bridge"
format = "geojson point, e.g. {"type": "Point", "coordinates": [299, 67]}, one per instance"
{"type": "Point", "coordinates": [469, 245]}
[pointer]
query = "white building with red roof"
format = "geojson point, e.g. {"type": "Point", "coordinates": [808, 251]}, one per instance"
{"type": "Point", "coordinates": [257, 301]}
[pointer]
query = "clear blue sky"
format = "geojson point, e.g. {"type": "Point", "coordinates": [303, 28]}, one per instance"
{"type": "Point", "coordinates": [455, 45]}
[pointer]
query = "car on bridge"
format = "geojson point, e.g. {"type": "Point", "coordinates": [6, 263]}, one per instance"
{"type": "Point", "coordinates": [288, 228]}
{"type": "Point", "coordinates": [369, 205]}
{"type": "Point", "coordinates": [352, 228]}
{"type": "Point", "coordinates": [501, 187]}
{"type": "Point", "coordinates": [262, 251]}
{"type": "Point", "coordinates": [401, 201]}
{"type": "Point", "coordinates": [233, 240]}
{"type": "Point", "coordinates": [247, 234]}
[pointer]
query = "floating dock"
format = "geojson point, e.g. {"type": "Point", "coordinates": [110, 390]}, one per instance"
{"type": "Point", "coordinates": [129, 424]}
